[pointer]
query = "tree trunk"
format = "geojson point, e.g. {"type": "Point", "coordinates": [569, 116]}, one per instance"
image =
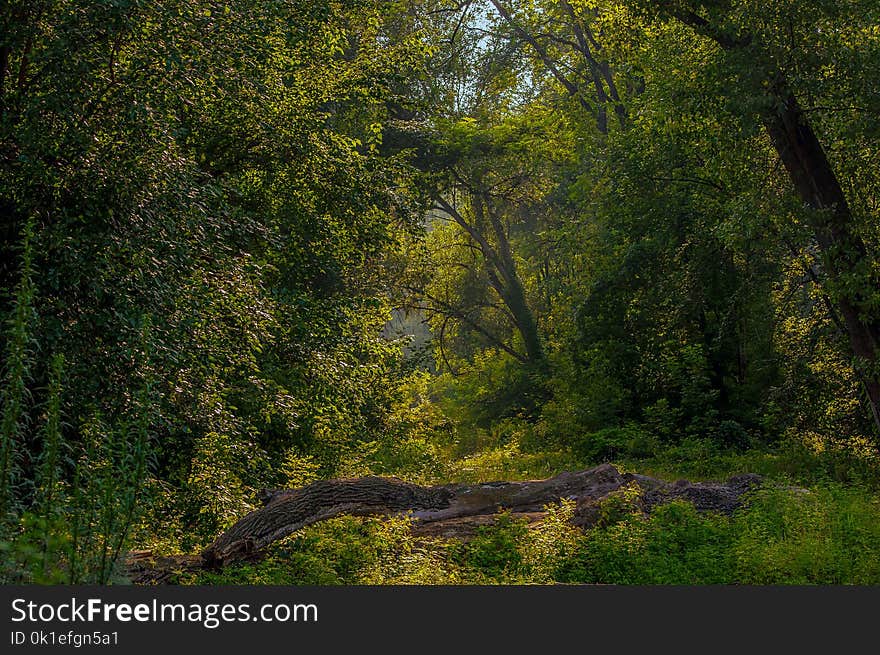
{"type": "Point", "coordinates": [843, 251]}
{"type": "Point", "coordinates": [525, 322]}
{"type": "Point", "coordinates": [453, 509]}
{"type": "Point", "coordinates": [513, 294]}
{"type": "Point", "coordinates": [501, 271]}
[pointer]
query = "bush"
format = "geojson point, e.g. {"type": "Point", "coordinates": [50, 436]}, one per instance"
{"type": "Point", "coordinates": [495, 551]}
{"type": "Point", "coordinates": [607, 444]}
{"type": "Point", "coordinates": [346, 551]}
{"type": "Point", "coordinates": [827, 535]}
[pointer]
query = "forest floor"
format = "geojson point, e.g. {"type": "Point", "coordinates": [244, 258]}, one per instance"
{"type": "Point", "coordinates": [815, 519]}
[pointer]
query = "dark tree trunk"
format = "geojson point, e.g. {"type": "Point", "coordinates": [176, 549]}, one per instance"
{"type": "Point", "coordinates": [452, 509]}
{"type": "Point", "coordinates": [514, 295]}
{"type": "Point", "coordinates": [525, 322]}
{"type": "Point", "coordinates": [843, 251]}
{"type": "Point", "coordinates": [502, 273]}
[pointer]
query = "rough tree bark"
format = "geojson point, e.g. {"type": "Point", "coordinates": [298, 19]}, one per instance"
{"type": "Point", "coordinates": [451, 510]}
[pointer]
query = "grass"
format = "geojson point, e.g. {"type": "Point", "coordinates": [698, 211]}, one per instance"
{"type": "Point", "coordinates": [815, 521]}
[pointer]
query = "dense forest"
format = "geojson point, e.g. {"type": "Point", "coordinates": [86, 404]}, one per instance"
{"type": "Point", "coordinates": [249, 245]}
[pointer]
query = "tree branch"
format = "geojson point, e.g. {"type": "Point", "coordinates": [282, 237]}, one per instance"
{"type": "Point", "coordinates": [571, 87]}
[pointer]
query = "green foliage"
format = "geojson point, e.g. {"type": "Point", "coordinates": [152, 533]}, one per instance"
{"type": "Point", "coordinates": [551, 545]}
{"type": "Point", "coordinates": [825, 535]}
{"type": "Point", "coordinates": [415, 433]}
{"type": "Point", "coordinates": [613, 443]}
{"type": "Point", "coordinates": [495, 550]}
{"type": "Point", "coordinates": [217, 171]}
{"type": "Point", "coordinates": [348, 551]}
{"type": "Point", "coordinates": [822, 536]}
{"type": "Point", "coordinates": [77, 531]}
{"type": "Point", "coordinates": [210, 211]}
{"type": "Point", "coordinates": [491, 388]}
{"type": "Point", "coordinates": [38, 551]}
{"type": "Point", "coordinates": [673, 546]}
{"type": "Point", "coordinates": [18, 362]}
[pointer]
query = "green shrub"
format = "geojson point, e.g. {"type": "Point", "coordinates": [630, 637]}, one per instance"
{"type": "Point", "coordinates": [674, 545]}
{"type": "Point", "coordinates": [603, 445]}
{"type": "Point", "coordinates": [550, 544]}
{"type": "Point", "coordinates": [495, 550]}
{"type": "Point", "coordinates": [826, 535]}
{"type": "Point", "coordinates": [346, 551]}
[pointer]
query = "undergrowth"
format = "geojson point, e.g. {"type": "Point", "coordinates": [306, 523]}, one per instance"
{"type": "Point", "coordinates": [829, 534]}
{"type": "Point", "coordinates": [815, 520]}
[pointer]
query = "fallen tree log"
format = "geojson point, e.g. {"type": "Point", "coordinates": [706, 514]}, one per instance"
{"type": "Point", "coordinates": [461, 506]}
